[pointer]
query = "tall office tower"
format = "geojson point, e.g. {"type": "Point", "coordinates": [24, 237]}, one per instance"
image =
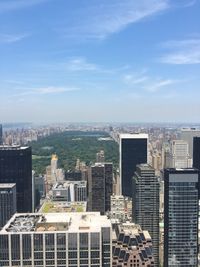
{"type": "Point", "coordinates": [7, 202]}
{"type": "Point", "coordinates": [187, 135]}
{"type": "Point", "coordinates": [181, 208]}
{"type": "Point", "coordinates": [179, 154]}
{"type": "Point", "coordinates": [100, 187]}
{"type": "Point", "coordinates": [54, 166]}
{"type": "Point", "coordinates": [133, 151]}
{"type": "Point", "coordinates": [196, 152]}
{"type": "Point", "coordinates": [1, 135]}
{"type": "Point", "coordinates": [56, 239]}
{"type": "Point", "coordinates": [146, 204]}
{"type": "Point", "coordinates": [132, 247]}
{"type": "Point", "coordinates": [100, 156]}
{"type": "Point", "coordinates": [16, 167]}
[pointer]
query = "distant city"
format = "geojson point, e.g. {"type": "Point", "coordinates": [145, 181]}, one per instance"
{"type": "Point", "coordinates": [129, 197]}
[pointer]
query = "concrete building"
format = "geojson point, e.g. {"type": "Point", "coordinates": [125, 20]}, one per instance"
{"type": "Point", "coordinates": [131, 247]}
{"type": "Point", "coordinates": [133, 151]}
{"type": "Point", "coordinates": [100, 187]}
{"type": "Point", "coordinates": [181, 212]}
{"type": "Point", "coordinates": [146, 204]}
{"type": "Point", "coordinates": [100, 156]}
{"type": "Point", "coordinates": [70, 191]}
{"type": "Point", "coordinates": [179, 154]}
{"type": "Point", "coordinates": [8, 202]}
{"type": "Point", "coordinates": [121, 208]}
{"type": "Point", "coordinates": [187, 134]}
{"type": "Point", "coordinates": [54, 166]}
{"type": "Point", "coordinates": [16, 167]}
{"type": "Point", "coordinates": [56, 240]}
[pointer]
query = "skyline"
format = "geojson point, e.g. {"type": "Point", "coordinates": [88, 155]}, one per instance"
{"type": "Point", "coordinates": [98, 61]}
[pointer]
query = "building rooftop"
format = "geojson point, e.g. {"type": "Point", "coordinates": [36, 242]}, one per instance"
{"type": "Point", "coordinates": [66, 184]}
{"type": "Point", "coordinates": [3, 185]}
{"type": "Point", "coordinates": [62, 206]}
{"type": "Point", "coordinates": [134, 136]}
{"type": "Point", "coordinates": [51, 222]}
{"type": "Point", "coordinates": [13, 147]}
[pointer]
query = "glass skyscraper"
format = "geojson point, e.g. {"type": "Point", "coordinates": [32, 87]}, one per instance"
{"type": "Point", "coordinates": [181, 208]}
{"type": "Point", "coordinates": [146, 204]}
{"type": "Point", "coordinates": [133, 151]}
{"type": "Point", "coordinates": [16, 167]}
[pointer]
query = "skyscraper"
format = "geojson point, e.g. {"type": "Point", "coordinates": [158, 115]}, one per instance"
{"type": "Point", "coordinates": [179, 154]}
{"type": "Point", "coordinates": [16, 167]}
{"type": "Point", "coordinates": [133, 151]}
{"type": "Point", "coordinates": [100, 187]}
{"type": "Point", "coordinates": [146, 204]}
{"type": "Point", "coordinates": [100, 156]}
{"type": "Point", "coordinates": [187, 135]}
{"type": "Point", "coordinates": [1, 135]}
{"type": "Point", "coordinates": [196, 152]}
{"type": "Point", "coordinates": [7, 202]}
{"type": "Point", "coordinates": [181, 208]}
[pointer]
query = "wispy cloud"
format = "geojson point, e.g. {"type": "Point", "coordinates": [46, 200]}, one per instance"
{"type": "Point", "coordinates": [9, 5]}
{"type": "Point", "coordinates": [46, 91]}
{"type": "Point", "coordinates": [11, 38]}
{"type": "Point", "coordinates": [147, 82]}
{"type": "Point", "coordinates": [80, 64]}
{"type": "Point", "coordinates": [108, 17]}
{"type": "Point", "coordinates": [182, 52]}
{"type": "Point", "coordinates": [157, 85]}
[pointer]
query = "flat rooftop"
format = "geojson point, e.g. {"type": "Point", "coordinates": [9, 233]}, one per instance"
{"type": "Point", "coordinates": [66, 184]}
{"type": "Point", "coordinates": [13, 147]}
{"type": "Point", "coordinates": [4, 186]}
{"type": "Point", "coordinates": [51, 222]}
{"type": "Point", "coordinates": [63, 206]}
{"type": "Point", "coordinates": [134, 136]}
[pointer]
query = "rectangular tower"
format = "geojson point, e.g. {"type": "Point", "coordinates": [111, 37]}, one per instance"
{"type": "Point", "coordinates": [179, 154]}
{"type": "Point", "coordinates": [181, 208]}
{"type": "Point", "coordinates": [146, 204]}
{"type": "Point", "coordinates": [133, 151]}
{"type": "Point", "coordinates": [100, 187]}
{"type": "Point", "coordinates": [196, 152]}
{"type": "Point", "coordinates": [7, 202]}
{"type": "Point", "coordinates": [1, 134]}
{"type": "Point", "coordinates": [16, 167]}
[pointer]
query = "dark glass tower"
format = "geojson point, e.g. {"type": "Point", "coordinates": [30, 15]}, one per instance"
{"type": "Point", "coordinates": [1, 135]}
{"type": "Point", "coordinates": [100, 187]}
{"type": "Point", "coordinates": [181, 208]}
{"type": "Point", "coordinates": [146, 204]}
{"type": "Point", "coordinates": [16, 167]}
{"type": "Point", "coordinates": [133, 151]}
{"type": "Point", "coordinates": [196, 152]}
{"type": "Point", "coordinates": [7, 202]}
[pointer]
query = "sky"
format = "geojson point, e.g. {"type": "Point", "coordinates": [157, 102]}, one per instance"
{"type": "Point", "coordinates": [100, 60]}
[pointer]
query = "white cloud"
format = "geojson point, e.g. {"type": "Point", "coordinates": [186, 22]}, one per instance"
{"type": "Point", "coordinates": [47, 91]}
{"type": "Point", "coordinates": [80, 64]}
{"type": "Point", "coordinates": [9, 5]}
{"type": "Point", "coordinates": [157, 85]}
{"type": "Point", "coordinates": [182, 52]}
{"type": "Point", "coordinates": [11, 38]}
{"type": "Point", "coordinates": [108, 17]}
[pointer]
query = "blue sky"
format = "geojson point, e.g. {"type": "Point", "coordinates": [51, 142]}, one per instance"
{"type": "Point", "coordinates": [100, 60]}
